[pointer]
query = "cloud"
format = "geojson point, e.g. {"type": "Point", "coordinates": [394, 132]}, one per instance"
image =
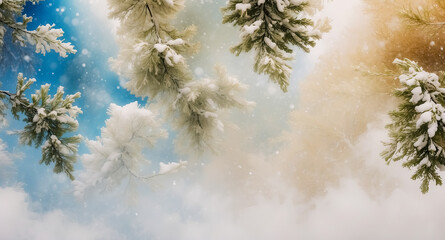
{"type": "Point", "coordinates": [6, 163]}
{"type": "Point", "coordinates": [20, 220]}
{"type": "Point", "coordinates": [242, 206]}
{"type": "Point", "coordinates": [98, 98]}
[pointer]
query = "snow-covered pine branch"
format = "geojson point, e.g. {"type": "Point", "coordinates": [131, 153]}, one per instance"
{"type": "Point", "coordinates": [45, 37]}
{"type": "Point", "coordinates": [117, 154]}
{"type": "Point", "coordinates": [417, 130]}
{"type": "Point", "coordinates": [153, 58]}
{"type": "Point", "coordinates": [270, 27]}
{"type": "Point", "coordinates": [47, 120]}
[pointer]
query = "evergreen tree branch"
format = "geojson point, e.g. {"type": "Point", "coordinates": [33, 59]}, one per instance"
{"type": "Point", "coordinates": [48, 119]}
{"type": "Point", "coordinates": [45, 38]}
{"type": "Point", "coordinates": [417, 131]}
{"type": "Point", "coordinates": [425, 16]}
{"type": "Point", "coordinates": [152, 59]}
{"type": "Point", "coordinates": [271, 27]}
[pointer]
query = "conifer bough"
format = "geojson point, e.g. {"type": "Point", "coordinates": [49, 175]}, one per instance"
{"type": "Point", "coordinates": [45, 37]}
{"type": "Point", "coordinates": [47, 120]}
{"type": "Point", "coordinates": [270, 27]}
{"type": "Point", "coordinates": [152, 60]}
{"type": "Point", "coordinates": [417, 130]}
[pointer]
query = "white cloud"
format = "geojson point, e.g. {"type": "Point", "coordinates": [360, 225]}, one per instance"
{"type": "Point", "coordinates": [98, 98]}
{"type": "Point", "coordinates": [6, 163]}
{"type": "Point", "coordinates": [268, 207]}
{"type": "Point", "coordinates": [19, 220]}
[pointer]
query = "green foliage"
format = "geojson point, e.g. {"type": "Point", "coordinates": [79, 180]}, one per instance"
{"type": "Point", "coordinates": [430, 16]}
{"type": "Point", "coordinates": [271, 28]}
{"type": "Point", "coordinates": [45, 38]}
{"type": "Point", "coordinates": [152, 58]}
{"type": "Point", "coordinates": [47, 120]}
{"type": "Point", "coordinates": [417, 130]}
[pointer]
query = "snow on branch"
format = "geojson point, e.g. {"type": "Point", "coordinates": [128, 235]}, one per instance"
{"type": "Point", "coordinates": [152, 59]}
{"type": "Point", "coordinates": [118, 153]}
{"type": "Point", "coordinates": [47, 120]}
{"type": "Point", "coordinates": [417, 130]}
{"type": "Point", "coordinates": [271, 27]}
{"type": "Point", "coordinates": [198, 104]}
{"type": "Point", "coordinates": [45, 37]}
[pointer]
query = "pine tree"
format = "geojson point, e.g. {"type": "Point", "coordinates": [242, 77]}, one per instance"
{"type": "Point", "coordinates": [152, 58]}
{"type": "Point", "coordinates": [271, 27]}
{"type": "Point", "coordinates": [47, 118]}
{"type": "Point", "coordinates": [417, 130]}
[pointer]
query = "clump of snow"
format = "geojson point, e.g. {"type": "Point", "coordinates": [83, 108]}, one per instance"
{"type": "Point", "coordinates": [243, 7]}
{"type": "Point", "coordinates": [249, 29]}
{"type": "Point", "coordinates": [270, 43]}
{"type": "Point", "coordinates": [177, 41]}
{"type": "Point", "coordinates": [160, 47]}
{"type": "Point", "coordinates": [171, 166]}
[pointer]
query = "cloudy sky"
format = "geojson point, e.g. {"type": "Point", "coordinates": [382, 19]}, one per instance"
{"type": "Point", "coordinates": [300, 165]}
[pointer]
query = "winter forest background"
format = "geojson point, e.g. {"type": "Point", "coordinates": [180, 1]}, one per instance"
{"type": "Point", "coordinates": [305, 164]}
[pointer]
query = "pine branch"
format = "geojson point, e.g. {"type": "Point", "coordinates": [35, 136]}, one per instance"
{"type": "Point", "coordinates": [47, 119]}
{"type": "Point", "coordinates": [45, 38]}
{"type": "Point", "coordinates": [271, 27]}
{"type": "Point", "coordinates": [152, 58]}
{"type": "Point", "coordinates": [417, 131]}
{"type": "Point", "coordinates": [425, 17]}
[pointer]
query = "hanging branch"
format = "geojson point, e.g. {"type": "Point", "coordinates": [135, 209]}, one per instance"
{"type": "Point", "coordinates": [271, 27]}
{"type": "Point", "coordinates": [45, 37]}
{"type": "Point", "coordinates": [47, 120]}
{"type": "Point", "coordinates": [417, 130]}
{"type": "Point", "coordinates": [152, 59]}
